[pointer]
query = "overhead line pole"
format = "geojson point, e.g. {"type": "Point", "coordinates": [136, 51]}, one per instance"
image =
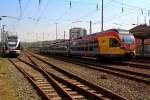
{"type": "Point", "coordinates": [102, 17]}
{"type": "Point", "coordinates": [56, 30]}
{"type": "Point", "coordinates": [64, 34]}
{"type": "Point", "coordinates": [3, 33]}
{"type": "Point", "coordinates": [90, 27]}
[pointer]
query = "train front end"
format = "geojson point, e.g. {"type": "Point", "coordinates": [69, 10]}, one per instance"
{"type": "Point", "coordinates": [11, 49]}
{"type": "Point", "coordinates": [117, 45]}
{"type": "Point", "coordinates": [12, 46]}
{"type": "Point", "coordinates": [128, 44]}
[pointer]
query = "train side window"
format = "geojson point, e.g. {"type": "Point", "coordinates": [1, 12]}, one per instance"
{"type": "Point", "coordinates": [91, 48]}
{"type": "Point", "coordinates": [114, 43]}
{"type": "Point", "coordinates": [95, 45]}
{"type": "Point", "coordinates": [91, 42]}
{"type": "Point", "coordinates": [82, 48]}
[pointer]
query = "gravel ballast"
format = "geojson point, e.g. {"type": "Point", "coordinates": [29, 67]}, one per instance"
{"type": "Point", "coordinates": [129, 89]}
{"type": "Point", "coordinates": [23, 88]}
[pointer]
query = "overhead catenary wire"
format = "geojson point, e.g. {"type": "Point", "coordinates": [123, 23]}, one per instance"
{"type": "Point", "coordinates": [86, 15]}
{"type": "Point", "coordinates": [20, 7]}
{"type": "Point", "coordinates": [71, 6]}
{"type": "Point", "coordinates": [43, 11]}
{"type": "Point", "coordinates": [90, 13]}
{"type": "Point", "coordinates": [26, 5]}
{"type": "Point", "coordinates": [95, 11]}
{"type": "Point", "coordinates": [128, 5]}
{"type": "Point", "coordinates": [40, 2]}
{"type": "Point", "coordinates": [37, 20]}
{"type": "Point", "coordinates": [22, 11]}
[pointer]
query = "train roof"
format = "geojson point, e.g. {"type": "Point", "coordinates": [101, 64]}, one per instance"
{"type": "Point", "coordinates": [59, 41]}
{"type": "Point", "coordinates": [119, 31]}
{"type": "Point", "coordinates": [115, 30]}
{"type": "Point", "coordinates": [12, 37]}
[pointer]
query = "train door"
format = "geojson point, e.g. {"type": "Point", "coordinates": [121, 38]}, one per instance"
{"type": "Point", "coordinates": [92, 47]}
{"type": "Point", "coordinates": [103, 45]}
{"type": "Point", "coordinates": [114, 46]}
{"type": "Point", "coordinates": [85, 46]}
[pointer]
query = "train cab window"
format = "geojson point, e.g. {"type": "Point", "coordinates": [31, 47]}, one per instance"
{"type": "Point", "coordinates": [114, 43]}
{"type": "Point", "coordinates": [91, 48]}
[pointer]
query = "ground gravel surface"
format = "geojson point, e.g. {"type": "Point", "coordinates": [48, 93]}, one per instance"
{"type": "Point", "coordinates": [129, 89]}
{"type": "Point", "coordinates": [24, 90]}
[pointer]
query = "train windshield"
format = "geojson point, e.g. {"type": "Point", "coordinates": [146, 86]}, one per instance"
{"type": "Point", "coordinates": [128, 39]}
{"type": "Point", "coordinates": [12, 43]}
{"type": "Point", "coordinates": [12, 38]}
{"type": "Point", "coordinates": [122, 31]}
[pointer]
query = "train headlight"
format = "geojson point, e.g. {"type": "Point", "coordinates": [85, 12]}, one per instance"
{"type": "Point", "coordinates": [6, 51]}
{"type": "Point", "coordinates": [18, 52]}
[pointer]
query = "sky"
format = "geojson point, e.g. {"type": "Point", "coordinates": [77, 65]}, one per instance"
{"type": "Point", "coordinates": [33, 21]}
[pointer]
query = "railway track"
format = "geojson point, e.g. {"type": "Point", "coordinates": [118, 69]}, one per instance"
{"type": "Point", "coordinates": [118, 70]}
{"type": "Point", "coordinates": [138, 64]}
{"type": "Point", "coordinates": [141, 61]}
{"type": "Point", "coordinates": [38, 78]}
{"type": "Point", "coordinates": [142, 64]}
{"type": "Point", "coordinates": [56, 83]}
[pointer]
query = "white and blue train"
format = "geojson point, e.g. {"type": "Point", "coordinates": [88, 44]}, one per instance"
{"type": "Point", "coordinates": [12, 46]}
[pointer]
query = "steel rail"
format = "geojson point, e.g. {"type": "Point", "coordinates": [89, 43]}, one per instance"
{"type": "Point", "coordinates": [134, 64]}
{"type": "Point", "coordinates": [113, 71]}
{"type": "Point", "coordinates": [30, 80]}
{"type": "Point", "coordinates": [78, 88]}
{"type": "Point", "coordinates": [95, 87]}
{"type": "Point", "coordinates": [49, 78]}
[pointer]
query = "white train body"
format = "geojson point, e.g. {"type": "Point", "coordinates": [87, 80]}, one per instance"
{"type": "Point", "coordinates": [12, 46]}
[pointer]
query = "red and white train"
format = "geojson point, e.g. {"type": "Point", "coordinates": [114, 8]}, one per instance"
{"type": "Point", "coordinates": [113, 43]}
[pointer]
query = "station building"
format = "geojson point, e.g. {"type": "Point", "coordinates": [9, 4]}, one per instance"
{"type": "Point", "coordinates": [142, 35]}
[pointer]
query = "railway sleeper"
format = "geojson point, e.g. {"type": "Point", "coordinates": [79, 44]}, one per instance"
{"type": "Point", "coordinates": [75, 82]}
{"type": "Point", "coordinates": [63, 86]}
{"type": "Point", "coordinates": [40, 80]}
{"type": "Point", "coordinates": [39, 83]}
{"type": "Point", "coordinates": [56, 98]}
{"type": "Point", "coordinates": [67, 89]}
{"type": "Point", "coordinates": [49, 91]}
{"type": "Point", "coordinates": [44, 85]}
{"type": "Point", "coordinates": [52, 95]}
{"type": "Point", "coordinates": [79, 97]}
{"type": "Point", "coordinates": [73, 93]}
{"type": "Point", "coordinates": [47, 88]}
{"type": "Point", "coordinates": [70, 91]}
{"type": "Point", "coordinates": [86, 88]}
{"type": "Point", "coordinates": [81, 85]}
